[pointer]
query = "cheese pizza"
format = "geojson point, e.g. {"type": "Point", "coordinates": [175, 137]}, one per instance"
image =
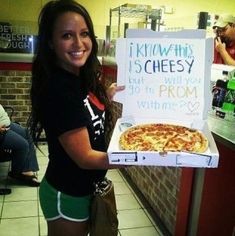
{"type": "Point", "coordinates": [163, 138]}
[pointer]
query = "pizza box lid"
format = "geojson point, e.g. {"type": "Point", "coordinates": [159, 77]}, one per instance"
{"type": "Point", "coordinates": [209, 159]}
{"type": "Point", "coordinates": [165, 74]}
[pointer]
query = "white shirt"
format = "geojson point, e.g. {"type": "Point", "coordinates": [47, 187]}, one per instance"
{"type": "Point", "coordinates": [4, 118]}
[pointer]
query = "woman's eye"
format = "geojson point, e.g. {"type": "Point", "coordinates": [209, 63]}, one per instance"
{"type": "Point", "coordinates": [66, 36]}
{"type": "Point", "coordinates": [85, 34]}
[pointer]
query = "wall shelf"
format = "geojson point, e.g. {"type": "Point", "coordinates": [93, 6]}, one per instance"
{"type": "Point", "coordinates": [144, 13]}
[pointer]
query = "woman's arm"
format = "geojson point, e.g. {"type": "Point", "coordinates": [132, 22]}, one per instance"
{"type": "Point", "coordinates": [77, 145]}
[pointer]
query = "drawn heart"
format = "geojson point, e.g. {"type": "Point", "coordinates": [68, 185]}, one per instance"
{"type": "Point", "coordinates": [193, 106]}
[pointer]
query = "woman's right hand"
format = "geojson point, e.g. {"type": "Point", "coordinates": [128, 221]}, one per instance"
{"type": "Point", "coordinates": [3, 129]}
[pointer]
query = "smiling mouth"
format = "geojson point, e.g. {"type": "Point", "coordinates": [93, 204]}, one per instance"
{"type": "Point", "coordinates": [77, 54]}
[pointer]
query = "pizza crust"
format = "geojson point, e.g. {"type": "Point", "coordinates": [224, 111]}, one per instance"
{"type": "Point", "coordinates": [162, 138]}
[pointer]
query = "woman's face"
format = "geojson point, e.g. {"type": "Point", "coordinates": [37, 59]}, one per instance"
{"type": "Point", "coordinates": [71, 41]}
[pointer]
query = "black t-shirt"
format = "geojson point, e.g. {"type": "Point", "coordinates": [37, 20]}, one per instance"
{"type": "Point", "coordinates": [69, 107]}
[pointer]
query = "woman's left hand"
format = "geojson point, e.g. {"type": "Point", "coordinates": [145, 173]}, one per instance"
{"type": "Point", "coordinates": [113, 88]}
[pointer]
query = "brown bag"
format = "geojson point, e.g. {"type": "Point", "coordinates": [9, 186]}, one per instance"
{"type": "Point", "coordinates": [104, 221]}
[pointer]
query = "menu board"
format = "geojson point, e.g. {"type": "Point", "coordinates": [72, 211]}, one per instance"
{"type": "Point", "coordinates": [164, 77]}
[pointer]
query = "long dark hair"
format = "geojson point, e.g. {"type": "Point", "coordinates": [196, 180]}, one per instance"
{"type": "Point", "coordinates": [44, 64]}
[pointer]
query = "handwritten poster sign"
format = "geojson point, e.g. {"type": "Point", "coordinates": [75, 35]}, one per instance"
{"type": "Point", "coordinates": [164, 77]}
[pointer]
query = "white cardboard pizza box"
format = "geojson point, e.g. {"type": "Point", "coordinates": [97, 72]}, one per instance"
{"type": "Point", "coordinates": [167, 80]}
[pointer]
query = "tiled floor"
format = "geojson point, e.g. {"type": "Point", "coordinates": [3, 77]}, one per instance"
{"type": "Point", "coordinates": [20, 213]}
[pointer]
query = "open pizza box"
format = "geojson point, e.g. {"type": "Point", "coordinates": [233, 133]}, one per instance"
{"type": "Point", "coordinates": [167, 80]}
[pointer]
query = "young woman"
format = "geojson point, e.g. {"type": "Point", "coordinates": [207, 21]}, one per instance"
{"type": "Point", "coordinates": [71, 105]}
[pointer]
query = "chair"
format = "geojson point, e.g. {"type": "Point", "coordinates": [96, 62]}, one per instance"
{"type": "Point", "coordinates": [5, 155]}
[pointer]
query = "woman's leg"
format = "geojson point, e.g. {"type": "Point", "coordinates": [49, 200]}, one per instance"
{"type": "Point", "coordinates": [20, 162]}
{"type": "Point", "coordinates": [20, 149]}
{"type": "Point", "coordinates": [63, 227]}
{"type": "Point", "coordinates": [31, 163]}
{"type": "Point", "coordinates": [66, 215]}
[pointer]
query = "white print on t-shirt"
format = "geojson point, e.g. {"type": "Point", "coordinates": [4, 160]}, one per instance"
{"type": "Point", "coordinates": [97, 120]}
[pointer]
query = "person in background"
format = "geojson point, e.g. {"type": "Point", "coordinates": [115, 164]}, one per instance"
{"type": "Point", "coordinates": [71, 105]}
{"type": "Point", "coordinates": [224, 52]}
{"type": "Point", "coordinates": [16, 139]}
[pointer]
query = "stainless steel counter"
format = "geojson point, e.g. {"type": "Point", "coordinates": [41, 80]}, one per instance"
{"type": "Point", "coordinates": [223, 130]}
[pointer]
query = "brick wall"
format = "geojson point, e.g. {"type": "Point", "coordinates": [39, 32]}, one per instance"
{"type": "Point", "coordinates": [160, 187]}
{"type": "Point", "coordinates": [14, 92]}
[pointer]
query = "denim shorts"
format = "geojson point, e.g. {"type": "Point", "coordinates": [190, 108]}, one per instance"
{"type": "Point", "coordinates": [55, 204]}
